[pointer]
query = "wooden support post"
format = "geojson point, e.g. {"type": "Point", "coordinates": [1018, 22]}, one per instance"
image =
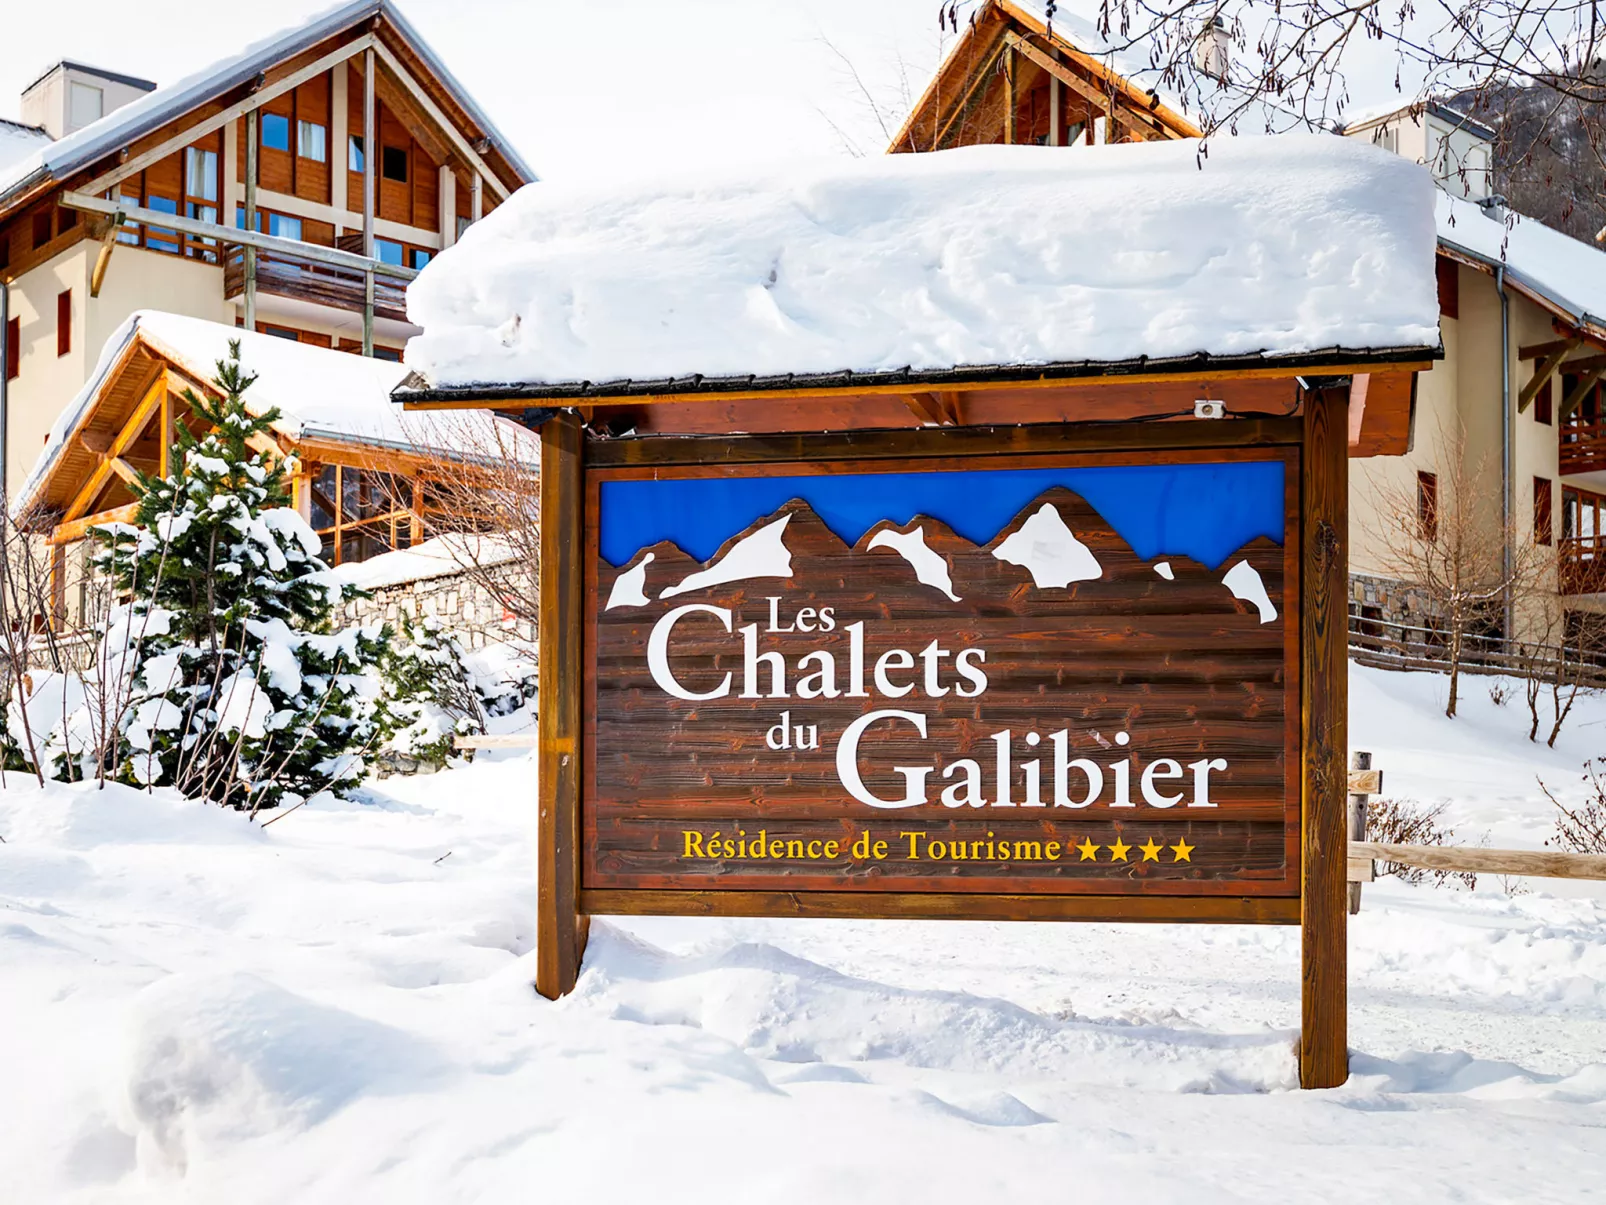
{"type": "Point", "coordinates": [368, 312]}
{"type": "Point", "coordinates": [250, 291]}
{"type": "Point", "coordinates": [1056, 112]}
{"type": "Point", "coordinates": [1543, 372]}
{"type": "Point", "coordinates": [1357, 824]}
{"type": "Point", "coordinates": [560, 927]}
{"type": "Point", "coordinates": [476, 199]}
{"type": "Point", "coordinates": [1010, 99]}
{"type": "Point", "coordinates": [103, 259]}
{"type": "Point", "coordinates": [1324, 521]}
{"type": "Point", "coordinates": [370, 154]}
{"type": "Point", "coordinates": [58, 587]}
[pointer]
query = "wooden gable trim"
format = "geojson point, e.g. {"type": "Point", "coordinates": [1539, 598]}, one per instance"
{"type": "Point", "coordinates": [131, 430]}
{"type": "Point", "coordinates": [443, 123]}
{"type": "Point", "coordinates": [76, 529]}
{"type": "Point", "coordinates": [224, 116]}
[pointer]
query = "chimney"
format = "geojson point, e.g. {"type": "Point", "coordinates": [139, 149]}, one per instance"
{"type": "Point", "coordinates": [1212, 50]}
{"type": "Point", "coordinates": [70, 96]}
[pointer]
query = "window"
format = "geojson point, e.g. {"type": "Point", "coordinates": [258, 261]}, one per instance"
{"type": "Point", "coordinates": [358, 513]}
{"type": "Point", "coordinates": [200, 173]}
{"type": "Point", "coordinates": [393, 163]}
{"type": "Point", "coordinates": [1544, 526]}
{"type": "Point", "coordinates": [1448, 275]}
{"type": "Point", "coordinates": [1543, 407]}
{"type": "Point", "coordinates": [312, 141]}
{"type": "Point", "coordinates": [354, 153]}
{"type": "Point", "coordinates": [418, 257]}
{"type": "Point", "coordinates": [275, 132]}
{"type": "Point", "coordinates": [85, 104]}
{"type": "Point", "coordinates": [1427, 506]}
{"type": "Point", "coordinates": [393, 354]}
{"type": "Point", "coordinates": [13, 349]}
{"type": "Point", "coordinates": [280, 332]}
{"type": "Point", "coordinates": [64, 322]}
{"type": "Point", "coordinates": [41, 228]}
{"type": "Point", "coordinates": [159, 238]}
{"type": "Point", "coordinates": [66, 219]}
{"type": "Point", "coordinates": [389, 252]}
{"type": "Point", "coordinates": [277, 224]}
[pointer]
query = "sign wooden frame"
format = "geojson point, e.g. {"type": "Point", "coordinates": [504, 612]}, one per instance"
{"type": "Point", "coordinates": [1314, 446]}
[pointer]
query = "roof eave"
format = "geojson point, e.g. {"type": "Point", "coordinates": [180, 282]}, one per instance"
{"type": "Point", "coordinates": [696, 386]}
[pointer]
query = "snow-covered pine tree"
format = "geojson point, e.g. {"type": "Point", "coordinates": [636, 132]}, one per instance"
{"type": "Point", "coordinates": [237, 691]}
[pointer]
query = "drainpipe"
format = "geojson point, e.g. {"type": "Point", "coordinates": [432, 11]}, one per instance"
{"type": "Point", "coordinates": [1505, 447]}
{"type": "Point", "coordinates": [5, 392]}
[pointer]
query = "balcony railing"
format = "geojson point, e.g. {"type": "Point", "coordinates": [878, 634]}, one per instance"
{"type": "Point", "coordinates": [1583, 565]}
{"type": "Point", "coordinates": [286, 275]}
{"type": "Point", "coordinates": [1582, 445]}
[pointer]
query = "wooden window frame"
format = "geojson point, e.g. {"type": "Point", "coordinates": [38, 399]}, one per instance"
{"type": "Point", "coordinates": [13, 348]}
{"type": "Point", "coordinates": [64, 323]}
{"type": "Point", "coordinates": [1544, 403]}
{"type": "Point", "coordinates": [1544, 511]}
{"type": "Point", "coordinates": [1427, 505]}
{"type": "Point", "coordinates": [396, 527]}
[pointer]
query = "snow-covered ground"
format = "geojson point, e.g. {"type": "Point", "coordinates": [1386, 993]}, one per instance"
{"type": "Point", "coordinates": [337, 1007]}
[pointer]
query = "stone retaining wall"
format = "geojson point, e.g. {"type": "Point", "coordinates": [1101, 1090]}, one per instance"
{"type": "Point", "coordinates": [456, 599]}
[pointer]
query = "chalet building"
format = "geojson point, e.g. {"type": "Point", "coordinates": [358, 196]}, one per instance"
{"type": "Point", "coordinates": [360, 469]}
{"type": "Point", "coordinates": [292, 190]}
{"type": "Point", "coordinates": [1518, 391]}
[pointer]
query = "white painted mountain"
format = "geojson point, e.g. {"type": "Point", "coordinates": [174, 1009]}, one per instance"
{"type": "Point", "coordinates": [628, 588]}
{"type": "Point", "coordinates": [930, 568]}
{"type": "Point", "coordinates": [760, 554]}
{"type": "Point", "coordinates": [1049, 550]}
{"type": "Point", "coordinates": [1245, 582]}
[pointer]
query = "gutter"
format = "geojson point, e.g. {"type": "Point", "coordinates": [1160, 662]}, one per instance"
{"type": "Point", "coordinates": [1508, 602]}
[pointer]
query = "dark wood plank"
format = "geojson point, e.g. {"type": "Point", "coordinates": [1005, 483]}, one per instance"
{"type": "Point", "coordinates": [1324, 1050]}
{"type": "Point", "coordinates": [948, 442]}
{"type": "Point", "coordinates": [560, 926]}
{"type": "Point", "coordinates": [937, 906]}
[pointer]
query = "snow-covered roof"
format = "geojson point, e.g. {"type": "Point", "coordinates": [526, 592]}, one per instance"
{"type": "Point", "coordinates": [18, 141]}
{"type": "Point", "coordinates": [979, 258]}
{"type": "Point", "coordinates": [440, 556]}
{"type": "Point", "coordinates": [321, 394]}
{"type": "Point", "coordinates": [1561, 272]}
{"type": "Point", "coordinates": [134, 120]}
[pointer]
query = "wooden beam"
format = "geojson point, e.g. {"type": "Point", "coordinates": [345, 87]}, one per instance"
{"type": "Point", "coordinates": [1540, 351]}
{"type": "Point", "coordinates": [103, 258]}
{"type": "Point", "coordinates": [131, 430]}
{"type": "Point", "coordinates": [1323, 682]}
{"type": "Point", "coordinates": [1586, 382]}
{"type": "Point", "coordinates": [926, 408]}
{"type": "Point", "coordinates": [123, 469]}
{"type": "Point", "coordinates": [1116, 106]}
{"type": "Point", "coordinates": [138, 163]}
{"type": "Point", "coordinates": [97, 442]}
{"type": "Point", "coordinates": [1011, 98]}
{"type": "Point", "coordinates": [1542, 373]}
{"type": "Point", "coordinates": [453, 134]}
{"type": "Point", "coordinates": [77, 529]}
{"type": "Point", "coordinates": [560, 926]}
{"type": "Point", "coordinates": [246, 238]}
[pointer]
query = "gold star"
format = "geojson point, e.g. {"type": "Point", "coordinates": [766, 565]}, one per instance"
{"type": "Point", "coordinates": [1151, 851]}
{"type": "Point", "coordinates": [1118, 850]}
{"type": "Point", "coordinates": [1181, 850]}
{"type": "Point", "coordinates": [1088, 849]}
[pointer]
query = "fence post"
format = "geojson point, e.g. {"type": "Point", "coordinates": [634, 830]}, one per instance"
{"type": "Point", "coordinates": [1357, 824]}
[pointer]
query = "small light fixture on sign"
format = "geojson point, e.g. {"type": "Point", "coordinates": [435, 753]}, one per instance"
{"type": "Point", "coordinates": [1204, 408]}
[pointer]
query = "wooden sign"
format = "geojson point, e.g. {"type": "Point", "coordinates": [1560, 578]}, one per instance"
{"type": "Point", "coordinates": [906, 687]}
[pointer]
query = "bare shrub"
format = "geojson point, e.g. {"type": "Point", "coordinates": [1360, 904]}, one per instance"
{"type": "Point", "coordinates": [1500, 692]}
{"type": "Point", "coordinates": [1582, 830]}
{"type": "Point", "coordinates": [1407, 822]}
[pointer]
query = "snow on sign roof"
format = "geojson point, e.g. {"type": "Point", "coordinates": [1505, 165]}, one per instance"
{"type": "Point", "coordinates": [122, 126]}
{"type": "Point", "coordinates": [1562, 271]}
{"type": "Point", "coordinates": [995, 256]}
{"type": "Point", "coordinates": [321, 394]}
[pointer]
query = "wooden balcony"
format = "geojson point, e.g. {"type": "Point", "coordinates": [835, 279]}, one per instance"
{"type": "Point", "coordinates": [1583, 565]}
{"type": "Point", "coordinates": [284, 275]}
{"type": "Point", "coordinates": [1581, 445]}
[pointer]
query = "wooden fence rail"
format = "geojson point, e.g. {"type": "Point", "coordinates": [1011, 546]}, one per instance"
{"type": "Point", "coordinates": [1463, 860]}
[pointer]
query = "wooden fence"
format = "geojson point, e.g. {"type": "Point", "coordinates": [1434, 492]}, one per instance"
{"type": "Point", "coordinates": [1386, 645]}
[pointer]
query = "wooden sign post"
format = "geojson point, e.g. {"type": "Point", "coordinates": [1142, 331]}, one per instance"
{"type": "Point", "coordinates": [1060, 672]}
